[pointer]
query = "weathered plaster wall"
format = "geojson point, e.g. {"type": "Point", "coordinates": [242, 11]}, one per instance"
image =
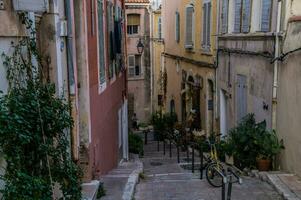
{"type": "Point", "coordinates": [289, 106]}
{"type": "Point", "coordinates": [257, 69]}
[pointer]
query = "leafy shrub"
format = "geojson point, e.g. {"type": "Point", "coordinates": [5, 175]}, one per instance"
{"type": "Point", "coordinates": [135, 144]}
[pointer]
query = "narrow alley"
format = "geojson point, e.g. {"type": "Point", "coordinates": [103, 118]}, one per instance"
{"type": "Point", "coordinates": [165, 179]}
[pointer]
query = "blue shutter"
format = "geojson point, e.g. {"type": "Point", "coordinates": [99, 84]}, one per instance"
{"type": "Point", "coordinates": [225, 16]}
{"type": "Point", "coordinates": [237, 18]}
{"type": "Point", "coordinates": [177, 27]}
{"type": "Point", "coordinates": [102, 77]}
{"type": "Point", "coordinates": [208, 22]}
{"type": "Point", "coordinates": [266, 15]}
{"type": "Point", "coordinates": [205, 11]}
{"type": "Point", "coordinates": [246, 16]}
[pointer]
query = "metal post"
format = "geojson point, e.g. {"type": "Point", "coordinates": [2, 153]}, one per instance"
{"type": "Point", "coordinates": [170, 153]}
{"type": "Point", "coordinates": [201, 162]}
{"type": "Point", "coordinates": [178, 153]}
{"type": "Point", "coordinates": [223, 191]}
{"type": "Point", "coordinates": [145, 137]}
{"type": "Point", "coordinates": [163, 146]}
{"type": "Point", "coordinates": [192, 161]}
{"type": "Point", "coordinates": [229, 188]}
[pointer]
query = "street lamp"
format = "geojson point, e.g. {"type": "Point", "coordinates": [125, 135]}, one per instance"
{"type": "Point", "coordinates": [140, 47]}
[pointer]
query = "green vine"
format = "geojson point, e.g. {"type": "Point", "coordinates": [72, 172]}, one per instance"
{"type": "Point", "coordinates": [34, 126]}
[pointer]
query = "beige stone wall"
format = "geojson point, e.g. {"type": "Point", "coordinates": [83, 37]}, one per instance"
{"type": "Point", "coordinates": [289, 104]}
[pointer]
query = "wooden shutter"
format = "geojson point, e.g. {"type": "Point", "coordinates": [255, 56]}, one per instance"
{"type": "Point", "coordinates": [225, 16]}
{"type": "Point", "coordinates": [208, 22]}
{"type": "Point", "coordinates": [133, 19]}
{"type": "Point", "coordinates": [177, 26]}
{"type": "Point", "coordinates": [131, 66]}
{"type": "Point", "coordinates": [189, 27]}
{"type": "Point", "coordinates": [159, 28]}
{"type": "Point", "coordinates": [246, 16]}
{"type": "Point", "coordinates": [204, 25]}
{"type": "Point", "coordinates": [101, 48]}
{"type": "Point", "coordinates": [266, 15]}
{"type": "Point", "coordinates": [237, 18]}
{"type": "Point", "coordinates": [241, 97]}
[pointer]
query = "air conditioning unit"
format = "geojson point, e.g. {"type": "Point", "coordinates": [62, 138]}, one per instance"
{"type": "Point", "coordinates": [31, 5]}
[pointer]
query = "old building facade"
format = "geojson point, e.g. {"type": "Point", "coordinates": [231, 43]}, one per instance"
{"type": "Point", "coordinates": [139, 72]}
{"type": "Point", "coordinates": [246, 47]}
{"type": "Point", "coordinates": [188, 63]}
{"type": "Point", "coordinates": [83, 48]}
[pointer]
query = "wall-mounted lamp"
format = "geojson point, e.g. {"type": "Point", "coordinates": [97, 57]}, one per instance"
{"type": "Point", "coordinates": [140, 47]}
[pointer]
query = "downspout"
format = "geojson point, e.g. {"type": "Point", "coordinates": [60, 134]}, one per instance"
{"type": "Point", "coordinates": [276, 67]}
{"type": "Point", "coordinates": [217, 52]}
{"type": "Point", "coordinates": [72, 76]}
{"type": "Point", "coordinates": [151, 55]}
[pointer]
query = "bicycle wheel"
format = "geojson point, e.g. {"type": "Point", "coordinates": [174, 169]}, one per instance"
{"type": "Point", "coordinates": [212, 175]}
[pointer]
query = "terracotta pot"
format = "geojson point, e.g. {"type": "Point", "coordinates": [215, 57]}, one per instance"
{"type": "Point", "coordinates": [264, 164]}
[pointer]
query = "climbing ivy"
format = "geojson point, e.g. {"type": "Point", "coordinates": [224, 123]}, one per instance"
{"type": "Point", "coordinates": [34, 125]}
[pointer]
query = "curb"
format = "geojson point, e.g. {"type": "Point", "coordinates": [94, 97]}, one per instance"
{"type": "Point", "coordinates": [133, 179]}
{"type": "Point", "coordinates": [89, 190]}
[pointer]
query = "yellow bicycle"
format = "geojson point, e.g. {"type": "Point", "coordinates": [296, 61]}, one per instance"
{"type": "Point", "coordinates": [214, 169]}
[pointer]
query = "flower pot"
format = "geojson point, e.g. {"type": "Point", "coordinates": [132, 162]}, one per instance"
{"type": "Point", "coordinates": [264, 164]}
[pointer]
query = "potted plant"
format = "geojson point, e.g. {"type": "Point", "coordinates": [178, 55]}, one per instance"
{"type": "Point", "coordinates": [269, 147]}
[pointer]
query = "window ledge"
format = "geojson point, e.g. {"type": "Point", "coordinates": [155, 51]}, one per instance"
{"type": "Point", "coordinates": [247, 35]}
{"type": "Point", "coordinates": [135, 78]}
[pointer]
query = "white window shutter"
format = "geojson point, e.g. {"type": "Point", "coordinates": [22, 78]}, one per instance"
{"type": "Point", "coordinates": [246, 16]}
{"type": "Point", "coordinates": [131, 66]}
{"type": "Point", "coordinates": [189, 27]}
{"type": "Point", "coordinates": [266, 15]}
{"type": "Point", "coordinates": [237, 18]}
{"type": "Point", "coordinates": [224, 16]}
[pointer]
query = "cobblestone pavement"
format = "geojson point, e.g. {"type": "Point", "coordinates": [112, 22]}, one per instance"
{"type": "Point", "coordinates": [166, 180]}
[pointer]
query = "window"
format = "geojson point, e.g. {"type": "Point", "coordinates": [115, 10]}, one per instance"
{"type": "Point", "coordinates": [206, 24]}
{"type": "Point", "coordinates": [242, 16]}
{"type": "Point", "coordinates": [133, 23]}
{"type": "Point", "coordinates": [266, 6]}
{"type": "Point", "coordinates": [224, 16]}
{"type": "Point", "coordinates": [177, 27]}
{"type": "Point", "coordinates": [134, 65]}
{"type": "Point", "coordinates": [102, 73]}
{"type": "Point", "coordinates": [159, 28]}
{"type": "Point", "coordinates": [189, 27]}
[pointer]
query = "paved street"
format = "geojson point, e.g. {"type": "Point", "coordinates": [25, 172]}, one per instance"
{"type": "Point", "coordinates": [166, 180]}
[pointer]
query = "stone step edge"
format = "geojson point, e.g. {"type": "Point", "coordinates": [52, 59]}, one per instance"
{"type": "Point", "coordinates": [129, 189]}
{"type": "Point", "coordinates": [94, 185]}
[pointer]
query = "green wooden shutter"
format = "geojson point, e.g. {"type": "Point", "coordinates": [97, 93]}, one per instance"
{"type": "Point", "coordinates": [189, 27]}
{"type": "Point", "coordinates": [177, 31]}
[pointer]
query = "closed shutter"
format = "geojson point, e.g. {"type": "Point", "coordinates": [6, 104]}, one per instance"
{"type": "Point", "coordinates": [237, 18]}
{"type": "Point", "coordinates": [266, 15]}
{"type": "Point", "coordinates": [225, 16]}
{"type": "Point", "coordinates": [177, 27]}
{"type": "Point", "coordinates": [131, 66]}
{"type": "Point", "coordinates": [189, 27]}
{"type": "Point", "coordinates": [246, 16]}
{"type": "Point", "coordinates": [241, 97]}
{"type": "Point", "coordinates": [101, 48]}
{"type": "Point", "coordinates": [159, 28]}
{"type": "Point", "coordinates": [206, 25]}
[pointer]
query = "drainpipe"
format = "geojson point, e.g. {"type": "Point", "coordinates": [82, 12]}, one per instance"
{"type": "Point", "coordinates": [72, 77]}
{"type": "Point", "coordinates": [216, 74]}
{"type": "Point", "coordinates": [151, 55]}
{"type": "Point", "coordinates": [276, 66]}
